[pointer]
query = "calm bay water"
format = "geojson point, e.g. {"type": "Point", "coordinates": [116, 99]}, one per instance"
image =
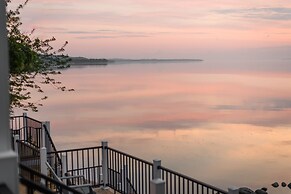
{"type": "Point", "coordinates": [226, 123]}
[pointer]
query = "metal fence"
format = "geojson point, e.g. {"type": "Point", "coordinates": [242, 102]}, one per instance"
{"type": "Point", "coordinates": [177, 183]}
{"type": "Point", "coordinates": [35, 181]}
{"type": "Point", "coordinates": [127, 173]}
{"type": "Point", "coordinates": [28, 129]}
{"type": "Point", "coordinates": [83, 161]}
{"type": "Point", "coordinates": [100, 165]}
{"type": "Point", "coordinates": [124, 173]}
{"type": "Point", "coordinates": [31, 131]}
{"type": "Point", "coordinates": [28, 155]}
{"type": "Point", "coordinates": [16, 122]}
{"type": "Point", "coordinates": [50, 146]}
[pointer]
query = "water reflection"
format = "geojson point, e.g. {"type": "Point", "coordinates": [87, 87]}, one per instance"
{"type": "Point", "coordinates": [224, 123]}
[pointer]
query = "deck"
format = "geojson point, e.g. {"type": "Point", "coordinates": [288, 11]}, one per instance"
{"type": "Point", "coordinates": [104, 191]}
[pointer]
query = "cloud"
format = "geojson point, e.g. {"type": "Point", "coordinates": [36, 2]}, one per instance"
{"type": "Point", "coordinates": [169, 124]}
{"type": "Point", "coordinates": [109, 34]}
{"type": "Point", "coordinates": [263, 105]}
{"type": "Point", "coordinates": [120, 36]}
{"type": "Point", "coordinates": [272, 13]}
{"type": "Point", "coordinates": [100, 33]}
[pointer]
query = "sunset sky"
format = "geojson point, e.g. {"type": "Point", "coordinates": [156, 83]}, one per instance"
{"type": "Point", "coordinates": [195, 116]}
{"type": "Point", "coordinates": [164, 28]}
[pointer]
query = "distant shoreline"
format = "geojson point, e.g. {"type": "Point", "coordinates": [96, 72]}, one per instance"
{"type": "Point", "coordinates": [152, 60]}
{"type": "Point", "coordinates": [87, 61]}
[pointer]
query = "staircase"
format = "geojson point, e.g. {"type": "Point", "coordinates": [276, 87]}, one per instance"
{"type": "Point", "coordinates": [100, 166]}
{"type": "Point", "coordinates": [29, 139]}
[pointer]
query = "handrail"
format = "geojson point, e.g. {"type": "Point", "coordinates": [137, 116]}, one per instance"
{"type": "Point", "coordinates": [30, 130]}
{"type": "Point", "coordinates": [173, 179]}
{"type": "Point", "coordinates": [27, 145]}
{"type": "Point", "coordinates": [31, 183]}
{"type": "Point", "coordinates": [53, 172]}
{"type": "Point", "coordinates": [128, 185]}
{"type": "Point", "coordinates": [190, 178]}
{"type": "Point", "coordinates": [88, 163]}
{"type": "Point", "coordinates": [81, 161]}
{"type": "Point", "coordinates": [75, 149]}
{"type": "Point", "coordinates": [138, 171]}
{"type": "Point", "coordinates": [50, 138]}
{"type": "Point", "coordinates": [28, 155]}
{"type": "Point", "coordinates": [131, 156]}
{"type": "Point", "coordinates": [50, 145]}
{"type": "Point", "coordinates": [27, 128]}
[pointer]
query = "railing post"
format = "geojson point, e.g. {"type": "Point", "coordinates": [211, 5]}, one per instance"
{"type": "Point", "coordinates": [25, 127]}
{"type": "Point", "coordinates": [156, 171]}
{"type": "Point", "coordinates": [45, 137]}
{"type": "Point", "coordinates": [64, 166]}
{"type": "Point", "coordinates": [124, 177]}
{"type": "Point", "coordinates": [43, 154]}
{"type": "Point", "coordinates": [16, 138]}
{"type": "Point", "coordinates": [48, 126]}
{"type": "Point", "coordinates": [105, 163]}
{"type": "Point", "coordinates": [157, 184]}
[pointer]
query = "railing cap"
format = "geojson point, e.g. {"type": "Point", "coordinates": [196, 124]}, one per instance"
{"type": "Point", "coordinates": [104, 143]}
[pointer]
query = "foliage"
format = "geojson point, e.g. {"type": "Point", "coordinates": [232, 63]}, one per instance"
{"type": "Point", "coordinates": [33, 61]}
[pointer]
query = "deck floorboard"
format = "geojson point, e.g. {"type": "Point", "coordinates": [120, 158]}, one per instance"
{"type": "Point", "coordinates": [104, 191]}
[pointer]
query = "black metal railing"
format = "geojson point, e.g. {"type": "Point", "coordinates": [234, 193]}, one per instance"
{"type": "Point", "coordinates": [120, 182]}
{"type": "Point", "coordinates": [128, 173]}
{"type": "Point", "coordinates": [50, 146]}
{"type": "Point", "coordinates": [177, 183]}
{"type": "Point", "coordinates": [83, 161]}
{"type": "Point", "coordinates": [28, 129]}
{"type": "Point", "coordinates": [16, 122]}
{"type": "Point", "coordinates": [125, 173]}
{"type": "Point", "coordinates": [32, 181]}
{"type": "Point", "coordinates": [28, 155]}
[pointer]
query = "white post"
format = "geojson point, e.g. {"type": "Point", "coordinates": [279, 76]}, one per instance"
{"type": "Point", "coordinates": [43, 155]}
{"type": "Point", "coordinates": [16, 138]}
{"type": "Point", "coordinates": [64, 166]}
{"type": "Point", "coordinates": [157, 184]}
{"type": "Point", "coordinates": [25, 127]}
{"type": "Point", "coordinates": [43, 159]}
{"type": "Point", "coordinates": [156, 170]}
{"type": "Point", "coordinates": [104, 163]}
{"type": "Point", "coordinates": [8, 158]}
{"type": "Point", "coordinates": [124, 176]}
{"type": "Point", "coordinates": [45, 138]}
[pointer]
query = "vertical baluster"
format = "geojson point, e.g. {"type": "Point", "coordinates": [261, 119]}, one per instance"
{"type": "Point", "coordinates": [88, 162]}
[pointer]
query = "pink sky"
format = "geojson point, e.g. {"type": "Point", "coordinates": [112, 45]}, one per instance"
{"type": "Point", "coordinates": [160, 28]}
